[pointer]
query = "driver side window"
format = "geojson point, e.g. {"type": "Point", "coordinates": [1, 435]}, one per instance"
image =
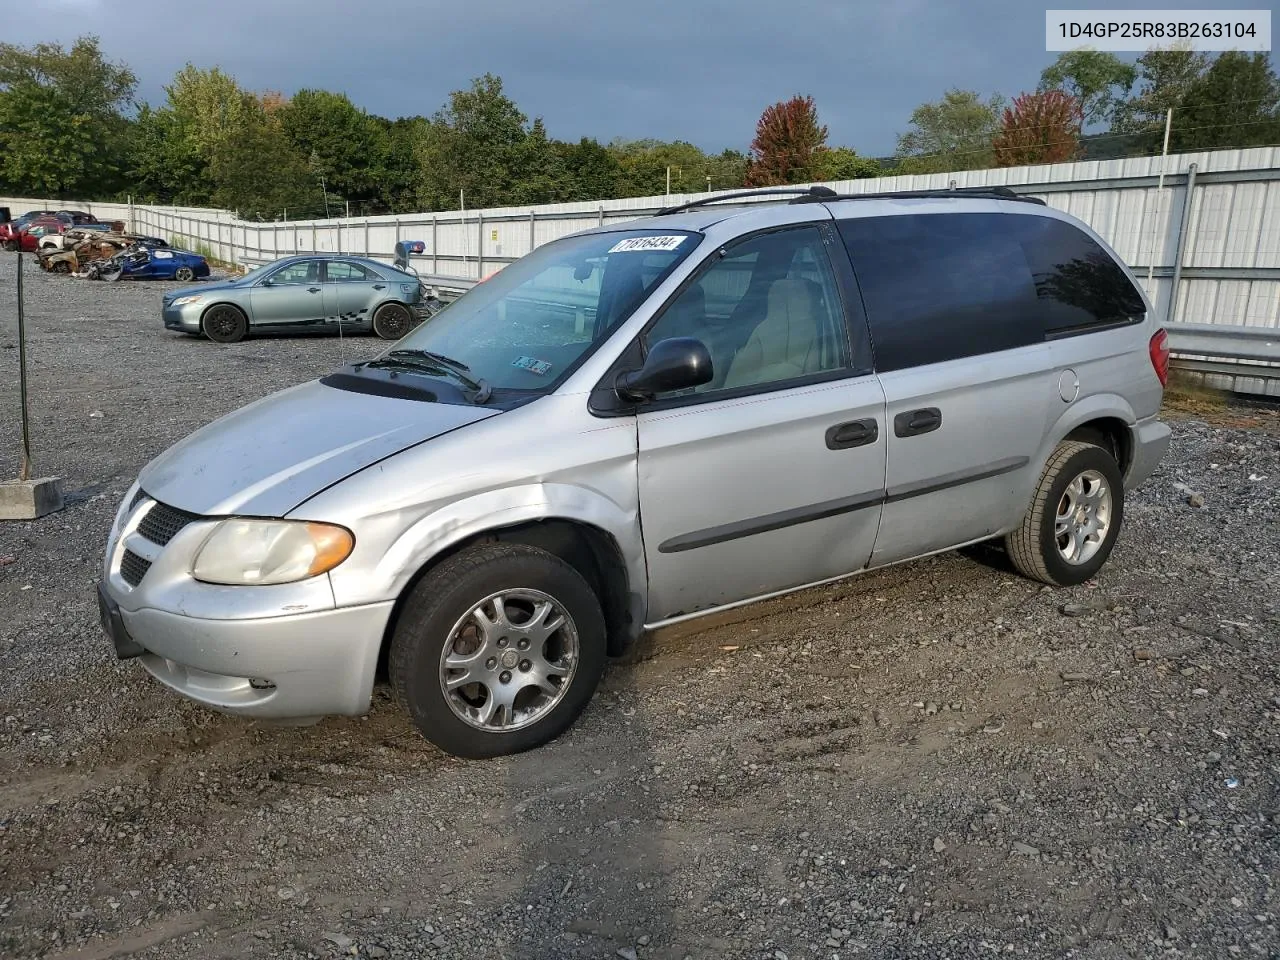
{"type": "Point", "coordinates": [307, 271]}
{"type": "Point", "coordinates": [769, 312]}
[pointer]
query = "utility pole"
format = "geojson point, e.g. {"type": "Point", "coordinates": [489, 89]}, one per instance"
{"type": "Point", "coordinates": [668, 181]}
{"type": "Point", "coordinates": [325, 190]}
{"type": "Point", "coordinates": [1151, 256]}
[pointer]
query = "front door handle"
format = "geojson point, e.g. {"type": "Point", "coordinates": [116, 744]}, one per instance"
{"type": "Point", "coordinates": [313, 289]}
{"type": "Point", "coordinates": [915, 422]}
{"type": "Point", "coordinates": [855, 433]}
{"type": "Point", "coordinates": [379, 286]}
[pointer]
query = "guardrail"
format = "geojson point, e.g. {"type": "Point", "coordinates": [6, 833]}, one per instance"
{"type": "Point", "coordinates": [1226, 350]}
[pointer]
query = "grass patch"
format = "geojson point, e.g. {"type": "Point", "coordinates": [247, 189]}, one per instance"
{"type": "Point", "coordinates": [1187, 395]}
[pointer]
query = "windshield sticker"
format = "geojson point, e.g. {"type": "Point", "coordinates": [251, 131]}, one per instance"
{"type": "Point", "coordinates": [540, 367]}
{"type": "Point", "coordinates": [647, 243]}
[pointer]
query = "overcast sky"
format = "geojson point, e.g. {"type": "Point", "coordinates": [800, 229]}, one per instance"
{"type": "Point", "coordinates": [692, 70]}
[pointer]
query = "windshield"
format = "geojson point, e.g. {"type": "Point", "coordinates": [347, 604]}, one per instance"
{"type": "Point", "coordinates": [528, 325]}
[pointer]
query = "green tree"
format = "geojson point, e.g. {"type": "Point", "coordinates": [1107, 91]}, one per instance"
{"type": "Point", "coordinates": [260, 173]}
{"type": "Point", "coordinates": [953, 133]}
{"type": "Point", "coordinates": [788, 135]}
{"type": "Point", "coordinates": [842, 163]}
{"type": "Point", "coordinates": [592, 171]}
{"type": "Point", "coordinates": [643, 167]}
{"type": "Point", "coordinates": [62, 124]}
{"type": "Point", "coordinates": [480, 144]}
{"type": "Point", "coordinates": [1100, 81]}
{"type": "Point", "coordinates": [1165, 77]}
{"type": "Point", "coordinates": [344, 144]}
{"type": "Point", "coordinates": [1234, 104]}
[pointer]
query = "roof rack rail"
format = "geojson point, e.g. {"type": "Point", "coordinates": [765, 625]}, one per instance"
{"type": "Point", "coordinates": [978, 193]}
{"type": "Point", "coordinates": [801, 195]}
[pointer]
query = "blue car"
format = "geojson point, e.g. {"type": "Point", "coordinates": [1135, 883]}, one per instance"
{"type": "Point", "coordinates": [147, 262]}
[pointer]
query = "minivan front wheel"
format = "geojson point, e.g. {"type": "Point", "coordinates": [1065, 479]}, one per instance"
{"type": "Point", "coordinates": [1074, 518]}
{"type": "Point", "coordinates": [497, 650]}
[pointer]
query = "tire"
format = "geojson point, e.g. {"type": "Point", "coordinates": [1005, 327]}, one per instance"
{"type": "Point", "coordinates": [185, 274]}
{"type": "Point", "coordinates": [1080, 489]}
{"type": "Point", "coordinates": [11, 245]}
{"type": "Point", "coordinates": [392, 321]}
{"type": "Point", "coordinates": [224, 323]}
{"type": "Point", "coordinates": [62, 266]}
{"type": "Point", "coordinates": [439, 618]}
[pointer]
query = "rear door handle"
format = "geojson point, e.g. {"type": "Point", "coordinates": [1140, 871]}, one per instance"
{"type": "Point", "coordinates": [313, 289]}
{"type": "Point", "coordinates": [915, 422]}
{"type": "Point", "coordinates": [855, 433]}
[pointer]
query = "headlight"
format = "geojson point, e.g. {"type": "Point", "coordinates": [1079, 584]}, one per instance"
{"type": "Point", "coordinates": [181, 300]}
{"type": "Point", "coordinates": [246, 552]}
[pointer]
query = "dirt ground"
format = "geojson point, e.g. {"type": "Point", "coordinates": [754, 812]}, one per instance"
{"type": "Point", "coordinates": [938, 759]}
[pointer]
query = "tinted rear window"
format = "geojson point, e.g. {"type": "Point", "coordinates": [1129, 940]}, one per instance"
{"type": "Point", "coordinates": [943, 286]}
{"type": "Point", "coordinates": [938, 287]}
{"type": "Point", "coordinates": [1078, 283]}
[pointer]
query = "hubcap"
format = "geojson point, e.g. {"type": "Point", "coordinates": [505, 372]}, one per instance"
{"type": "Point", "coordinates": [1083, 518]}
{"type": "Point", "coordinates": [509, 660]}
{"type": "Point", "coordinates": [395, 322]}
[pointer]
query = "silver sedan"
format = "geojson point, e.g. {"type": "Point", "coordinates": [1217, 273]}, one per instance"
{"type": "Point", "coordinates": [311, 293]}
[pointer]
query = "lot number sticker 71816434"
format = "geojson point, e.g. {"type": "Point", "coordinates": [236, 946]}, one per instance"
{"type": "Point", "coordinates": [647, 243]}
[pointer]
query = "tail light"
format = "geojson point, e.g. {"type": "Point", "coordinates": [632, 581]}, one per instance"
{"type": "Point", "coordinates": [1159, 348]}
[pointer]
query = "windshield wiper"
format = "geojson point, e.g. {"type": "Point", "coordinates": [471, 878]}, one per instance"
{"type": "Point", "coordinates": [436, 365]}
{"type": "Point", "coordinates": [437, 357]}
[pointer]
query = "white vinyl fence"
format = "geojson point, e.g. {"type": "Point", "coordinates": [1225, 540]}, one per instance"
{"type": "Point", "coordinates": [1207, 237]}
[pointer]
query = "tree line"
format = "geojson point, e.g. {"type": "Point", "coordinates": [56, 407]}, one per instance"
{"type": "Point", "coordinates": [71, 126]}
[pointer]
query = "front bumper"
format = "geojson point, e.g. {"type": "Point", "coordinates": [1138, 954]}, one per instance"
{"type": "Point", "coordinates": [308, 665]}
{"type": "Point", "coordinates": [185, 318]}
{"type": "Point", "coordinates": [1151, 438]}
{"type": "Point", "coordinates": [282, 651]}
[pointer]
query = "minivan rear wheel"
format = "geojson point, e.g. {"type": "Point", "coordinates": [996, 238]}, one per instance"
{"type": "Point", "coordinates": [497, 650]}
{"type": "Point", "coordinates": [1074, 518]}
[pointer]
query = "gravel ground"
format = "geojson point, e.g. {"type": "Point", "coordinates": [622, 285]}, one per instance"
{"type": "Point", "coordinates": [935, 760]}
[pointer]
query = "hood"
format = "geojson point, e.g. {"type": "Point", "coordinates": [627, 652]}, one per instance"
{"type": "Point", "coordinates": [266, 458]}
{"type": "Point", "coordinates": [202, 289]}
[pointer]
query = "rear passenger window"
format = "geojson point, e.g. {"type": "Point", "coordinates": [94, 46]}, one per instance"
{"type": "Point", "coordinates": [942, 286]}
{"type": "Point", "coordinates": [1079, 285]}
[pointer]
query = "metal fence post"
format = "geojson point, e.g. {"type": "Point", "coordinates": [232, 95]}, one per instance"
{"type": "Point", "coordinates": [533, 230]}
{"type": "Point", "coordinates": [1180, 245]}
{"type": "Point", "coordinates": [24, 470]}
{"type": "Point", "coordinates": [480, 246]}
{"type": "Point", "coordinates": [397, 231]}
{"type": "Point", "coordinates": [435, 247]}
{"type": "Point", "coordinates": [602, 214]}
{"type": "Point", "coordinates": [367, 251]}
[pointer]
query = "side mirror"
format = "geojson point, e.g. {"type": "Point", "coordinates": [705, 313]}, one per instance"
{"type": "Point", "coordinates": [268, 282]}
{"type": "Point", "coordinates": [676, 363]}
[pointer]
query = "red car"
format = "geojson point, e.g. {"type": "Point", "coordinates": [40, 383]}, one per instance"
{"type": "Point", "coordinates": [29, 236]}
{"type": "Point", "coordinates": [9, 231]}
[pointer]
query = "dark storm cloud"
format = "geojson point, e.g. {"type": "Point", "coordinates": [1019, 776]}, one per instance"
{"type": "Point", "coordinates": [693, 71]}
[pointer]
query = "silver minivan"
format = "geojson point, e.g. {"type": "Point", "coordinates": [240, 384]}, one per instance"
{"type": "Point", "coordinates": [637, 425]}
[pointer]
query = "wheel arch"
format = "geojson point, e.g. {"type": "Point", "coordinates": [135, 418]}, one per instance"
{"type": "Point", "coordinates": [1103, 419]}
{"type": "Point", "coordinates": [225, 303]}
{"type": "Point", "coordinates": [591, 550]}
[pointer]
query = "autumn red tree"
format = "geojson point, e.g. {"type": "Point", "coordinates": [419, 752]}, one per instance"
{"type": "Point", "coordinates": [787, 137]}
{"type": "Point", "coordinates": [1039, 128]}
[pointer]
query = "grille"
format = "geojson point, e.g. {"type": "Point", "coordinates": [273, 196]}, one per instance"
{"type": "Point", "coordinates": [133, 568]}
{"type": "Point", "coordinates": [162, 523]}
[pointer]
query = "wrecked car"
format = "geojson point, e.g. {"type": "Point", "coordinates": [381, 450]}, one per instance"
{"type": "Point", "coordinates": [142, 262]}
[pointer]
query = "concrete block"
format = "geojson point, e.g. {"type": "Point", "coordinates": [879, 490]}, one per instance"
{"type": "Point", "coordinates": [29, 499]}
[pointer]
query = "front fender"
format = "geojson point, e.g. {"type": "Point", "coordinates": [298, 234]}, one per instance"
{"type": "Point", "coordinates": [461, 520]}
